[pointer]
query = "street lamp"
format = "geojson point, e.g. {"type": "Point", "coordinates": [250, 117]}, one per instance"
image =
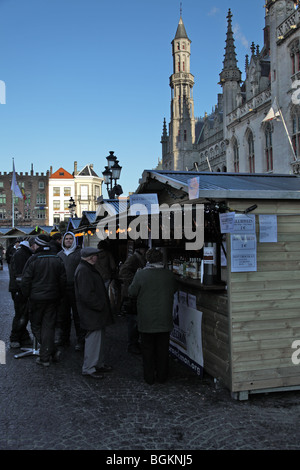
{"type": "Point", "coordinates": [112, 173]}
{"type": "Point", "coordinates": [72, 207]}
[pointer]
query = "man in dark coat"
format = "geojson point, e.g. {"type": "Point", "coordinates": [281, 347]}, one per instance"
{"type": "Point", "coordinates": [94, 312]}
{"type": "Point", "coordinates": [44, 282]}
{"type": "Point", "coordinates": [19, 336]}
{"type": "Point", "coordinates": [71, 255]}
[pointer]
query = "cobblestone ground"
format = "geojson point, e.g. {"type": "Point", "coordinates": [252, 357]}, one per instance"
{"type": "Point", "coordinates": [57, 408]}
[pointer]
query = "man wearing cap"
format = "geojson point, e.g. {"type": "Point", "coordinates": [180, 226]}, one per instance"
{"type": "Point", "coordinates": [19, 336]}
{"type": "Point", "coordinates": [43, 282]}
{"type": "Point", "coordinates": [94, 312]}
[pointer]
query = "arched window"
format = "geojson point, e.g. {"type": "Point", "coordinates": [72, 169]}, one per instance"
{"type": "Point", "coordinates": [251, 157]}
{"type": "Point", "coordinates": [268, 147]}
{"type": "Point", "coordinates": [236, 158]}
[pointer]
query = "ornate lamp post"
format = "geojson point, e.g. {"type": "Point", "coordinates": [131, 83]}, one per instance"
{"type": "Point", "coordinates": [72, 207]}
{"type": "Point", "coordinates": [112, 173]}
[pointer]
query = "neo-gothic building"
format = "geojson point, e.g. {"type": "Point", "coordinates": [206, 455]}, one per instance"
{"type": "Point", "coordinates": [234, 137]}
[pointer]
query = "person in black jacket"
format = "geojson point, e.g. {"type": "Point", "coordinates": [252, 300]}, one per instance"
{"type": "Point", "coordinates": [94, 312]}
{"type": "Point", "coordinates": [19, 336]}
{"type": "Point", "coordinates": [44, 282]}
{"type": "Point", "coordinates": [71, 256]}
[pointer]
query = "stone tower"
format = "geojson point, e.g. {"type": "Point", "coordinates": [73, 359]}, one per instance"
{"type": "Point", "coordinates": [182, 124]}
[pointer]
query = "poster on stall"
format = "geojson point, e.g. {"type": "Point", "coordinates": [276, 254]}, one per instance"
{"type": "Point", "coordinates": [227, 220]}
{"type": "Point", "coordinates": [267, 228]}
{"type": "Point", "coordinates": [243, 253]}
{"type": "Point", "coordinates": [186, 337]}
{"type": "Point", "coordinates": [244, 223]}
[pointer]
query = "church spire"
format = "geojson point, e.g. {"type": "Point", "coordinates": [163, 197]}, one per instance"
{"type": "Point", "coordinates": [230, 70]}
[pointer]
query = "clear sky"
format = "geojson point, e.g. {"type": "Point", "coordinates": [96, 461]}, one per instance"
{"type": "Point", "coordinates": [84, 77]}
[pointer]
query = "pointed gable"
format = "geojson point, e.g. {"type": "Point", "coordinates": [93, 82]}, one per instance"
{"type": "Point", "coordinates": [87, 171]}
{"type": "Point", "coordinates": [61, 174]}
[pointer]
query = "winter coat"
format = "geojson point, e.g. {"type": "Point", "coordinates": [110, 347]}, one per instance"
{"type": "Point", "coordinates": [17, 263]}
{"type": "Point", "coordinates": [106, 265]}
{"type": "Point", "coordinates": [91, 298]}
{"type": "Point", "coordinates": [154, 289]}
{"type": "Point", "coordinates": [71, 261]}
{"type": "Point", "coordinates": [129, 268]}
{"type": "Point", "coordinates": [44, 276]}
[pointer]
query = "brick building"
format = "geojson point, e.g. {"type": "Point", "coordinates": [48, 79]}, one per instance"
{"type": "Point", "coordinates": [33, 208]}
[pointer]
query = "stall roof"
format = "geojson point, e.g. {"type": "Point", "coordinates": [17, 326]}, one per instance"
{"type": "Point", "coordinates": [26, 230]}
{"type": "Point", "coordinates": [226, 185]}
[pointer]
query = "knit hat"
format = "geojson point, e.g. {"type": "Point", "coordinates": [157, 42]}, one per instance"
{"type": "Point", "coordinates": [42, 240]}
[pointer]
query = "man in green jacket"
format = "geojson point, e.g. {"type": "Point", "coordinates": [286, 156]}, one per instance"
{"type": "Point", "coordinates": [154, 288]}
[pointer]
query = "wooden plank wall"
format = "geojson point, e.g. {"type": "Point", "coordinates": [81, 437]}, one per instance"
{"type": "Point", "coordinates": [215, 338]}
{"type": "Point", "coordinates": [264, 306]}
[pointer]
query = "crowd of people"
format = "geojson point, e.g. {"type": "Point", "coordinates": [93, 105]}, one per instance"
{"type": "Point", "coordinates": [54, 282]}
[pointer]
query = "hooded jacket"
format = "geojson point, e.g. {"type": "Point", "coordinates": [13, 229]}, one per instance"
{"type": "Point", "coordinates": [71, 258]}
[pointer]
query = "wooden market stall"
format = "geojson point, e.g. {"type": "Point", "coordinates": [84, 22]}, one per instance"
{"type": "Point", "coordinates": [251, 316]}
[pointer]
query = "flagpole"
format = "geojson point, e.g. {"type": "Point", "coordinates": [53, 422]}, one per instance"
{"type": "Point", "coordinates": [286, 130]}
{"type": "Point", "coordinates": [13, 204]}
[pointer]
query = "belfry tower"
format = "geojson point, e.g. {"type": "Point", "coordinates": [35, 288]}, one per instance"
{"type": "Point", "coordinates": [182, 124]}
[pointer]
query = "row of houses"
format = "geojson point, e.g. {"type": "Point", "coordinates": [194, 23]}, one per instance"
{"type": "Point", "coordinates": [49, 198]}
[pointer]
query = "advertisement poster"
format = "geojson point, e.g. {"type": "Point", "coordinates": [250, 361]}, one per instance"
{"type": "Point", "coordinates": [186, 337]}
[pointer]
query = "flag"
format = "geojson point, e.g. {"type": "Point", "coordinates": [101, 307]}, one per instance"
{"type": "Point", "coordinates": [14, 185]}
{"type": "Point", "coordinates": [23, 193]}
{"type": "Point", "coordinates": [273, 112]}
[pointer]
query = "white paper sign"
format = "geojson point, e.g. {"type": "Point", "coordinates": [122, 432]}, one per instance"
{"type": "Point", "coordinates": [267, 228]}
{"type": "Point", "coordinates": [227, 222]}
{"type": "Point", "coordinates": [208, 255]}
{"type": "Point", "coordinates": [244, 223]}
{"type": "Point", "coordinates": [243, 253]}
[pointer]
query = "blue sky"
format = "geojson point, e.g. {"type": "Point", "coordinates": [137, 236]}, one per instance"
{"type": "Point", "coordinates": [84, 77]}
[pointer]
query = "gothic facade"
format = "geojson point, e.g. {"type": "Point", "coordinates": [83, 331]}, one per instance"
{"type": "Point", "coordinates": [236, 137]}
